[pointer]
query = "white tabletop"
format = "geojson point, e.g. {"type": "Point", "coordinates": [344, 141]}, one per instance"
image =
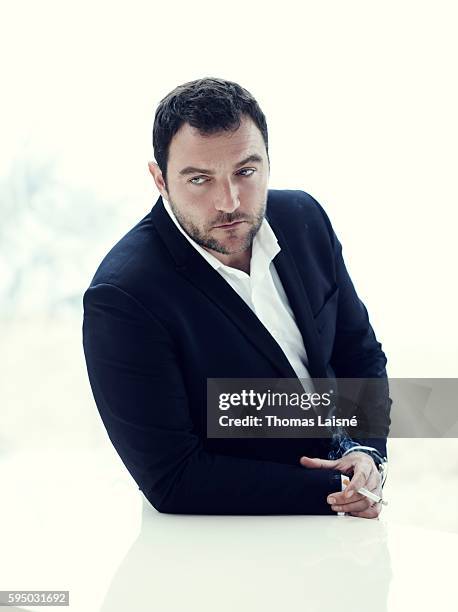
{"type": "Point", "coordinates": [283, 562]}
{"type": "Point", "coordinates": [73, 521]}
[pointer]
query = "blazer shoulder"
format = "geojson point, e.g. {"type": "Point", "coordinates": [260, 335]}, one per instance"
{"type": "Point", "coordinates": [295, 207]}
{"type": "Point", "coordinates": [131, 259]}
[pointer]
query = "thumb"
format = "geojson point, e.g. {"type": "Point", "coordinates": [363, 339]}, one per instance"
{"type": "Point", "coordinates": [317, 462]}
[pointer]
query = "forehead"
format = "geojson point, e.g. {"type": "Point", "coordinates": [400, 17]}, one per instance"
{"type": "Point", "coordinates": [188, 146]}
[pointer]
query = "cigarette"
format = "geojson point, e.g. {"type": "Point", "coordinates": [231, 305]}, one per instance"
{"type": "Point", "coordinates": [362, 491]}
{"type": "Point", "coordinates": [372, 496]}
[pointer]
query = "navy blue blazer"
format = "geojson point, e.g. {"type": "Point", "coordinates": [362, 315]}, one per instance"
{"type": "Point", "coordinates": [159, 320]}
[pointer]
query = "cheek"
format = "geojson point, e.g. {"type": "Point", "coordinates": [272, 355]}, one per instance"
{"type": "Point", "coordinates": [251, 187]}
{"type": "Point", "coordinates": [256, 190]}
{"type": "Point", "coordinates": [200, 214]}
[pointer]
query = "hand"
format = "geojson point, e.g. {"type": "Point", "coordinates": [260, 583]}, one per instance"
{"type": "Point", "coordinates": [365, 474]}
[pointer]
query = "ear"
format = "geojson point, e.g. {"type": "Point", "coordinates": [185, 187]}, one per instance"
{"type": "Point", "coordinates": [158, 178]}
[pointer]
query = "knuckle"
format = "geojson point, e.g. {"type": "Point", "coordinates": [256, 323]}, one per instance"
{"type": "Point", "coordinates": [359, 507]}
{"type": "Point", "coordinates": [375, 509]}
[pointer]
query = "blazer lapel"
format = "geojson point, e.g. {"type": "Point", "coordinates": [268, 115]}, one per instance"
{"type": "Point", "coordinates": [192, 266]}
{"type": "Point", "coordinates": [293, 285]}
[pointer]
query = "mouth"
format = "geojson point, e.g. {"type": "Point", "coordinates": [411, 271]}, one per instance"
{"type": "Point", "coordinates": [233, 224]}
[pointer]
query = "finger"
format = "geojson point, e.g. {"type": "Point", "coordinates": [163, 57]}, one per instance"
{"type": "Point", "coordinates": [357, 506]}
{"type": "Point", "coordinates": [361, 475]}
{"type": "Point", "coordinates": [374, 481]}
{"type": "Point", "coordinates": [377, 489]}
{"type": "Point", "coordinates": [374, 484]}
{"type": "Point", "coordinates": [371, 512]}
{"type": "Point", "coordinates": [317, 462]}
{"type": "Point", "coordinates": [339, 498]}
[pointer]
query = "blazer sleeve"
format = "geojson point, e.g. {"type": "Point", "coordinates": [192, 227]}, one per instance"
{"type": "Point", "coordinates": [137, 383]}
{"type": "Point", "coordinates": [357, 352]}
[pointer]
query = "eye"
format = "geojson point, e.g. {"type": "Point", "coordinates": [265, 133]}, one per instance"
{"type": "Point", "coordinates": [203, 180]}
{"type": "Point", "coordinates": [196, 178]}
{"type": "Point", "coordinates": [252, 170]}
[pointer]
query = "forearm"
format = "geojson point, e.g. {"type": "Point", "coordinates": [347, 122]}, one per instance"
{"type": "Point", "coordinates": [136, 379]}
{"type": "Point", "coordinates": [219, 484]}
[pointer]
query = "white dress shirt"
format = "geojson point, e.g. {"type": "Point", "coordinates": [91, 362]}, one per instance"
{"type": "Point", "coordinates": [262, 291]}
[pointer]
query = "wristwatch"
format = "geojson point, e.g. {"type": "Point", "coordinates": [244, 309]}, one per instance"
{"type": "Point", "coordinates": [380, 461]}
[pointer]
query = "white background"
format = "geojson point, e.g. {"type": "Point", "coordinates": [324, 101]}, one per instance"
{"type": "Point", "coordinates": [360, 99]}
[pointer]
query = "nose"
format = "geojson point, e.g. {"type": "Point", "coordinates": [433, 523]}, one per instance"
{"type": "Point", "coordinates": [228, 199]}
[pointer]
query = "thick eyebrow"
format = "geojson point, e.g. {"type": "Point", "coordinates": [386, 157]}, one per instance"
{"type": "Point", "coordinates": [193, 170]}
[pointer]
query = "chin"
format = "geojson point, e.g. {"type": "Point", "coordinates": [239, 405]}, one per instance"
{"type": "Point", "coordinates": [236, 246]}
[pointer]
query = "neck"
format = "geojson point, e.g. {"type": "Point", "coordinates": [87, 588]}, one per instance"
{"type": "Point", "coordinates": [241, 261]}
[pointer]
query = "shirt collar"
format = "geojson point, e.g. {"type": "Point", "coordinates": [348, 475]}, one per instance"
{"type": "Point", "coordinates": [265, 245]}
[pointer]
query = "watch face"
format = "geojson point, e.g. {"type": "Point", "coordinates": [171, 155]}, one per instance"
{"type": "Point", "coordinates": [378, 459]}
{"type": "Point", "coordinates": [383, 469]}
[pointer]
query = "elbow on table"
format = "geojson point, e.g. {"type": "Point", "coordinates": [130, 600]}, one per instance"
{"type": "Point", "coordinates": [166, 503]}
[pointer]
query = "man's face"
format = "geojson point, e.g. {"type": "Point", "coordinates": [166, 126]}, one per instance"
{"type": "Point", "coordinates": [217, 186]}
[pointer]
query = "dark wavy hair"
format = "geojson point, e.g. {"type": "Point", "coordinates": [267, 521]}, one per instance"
{"type": "Point", "coordinates": [209, 104]}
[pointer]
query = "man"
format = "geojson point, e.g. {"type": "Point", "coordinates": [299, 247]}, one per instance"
{"type": "Point", "coordinates": [225, 278]}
